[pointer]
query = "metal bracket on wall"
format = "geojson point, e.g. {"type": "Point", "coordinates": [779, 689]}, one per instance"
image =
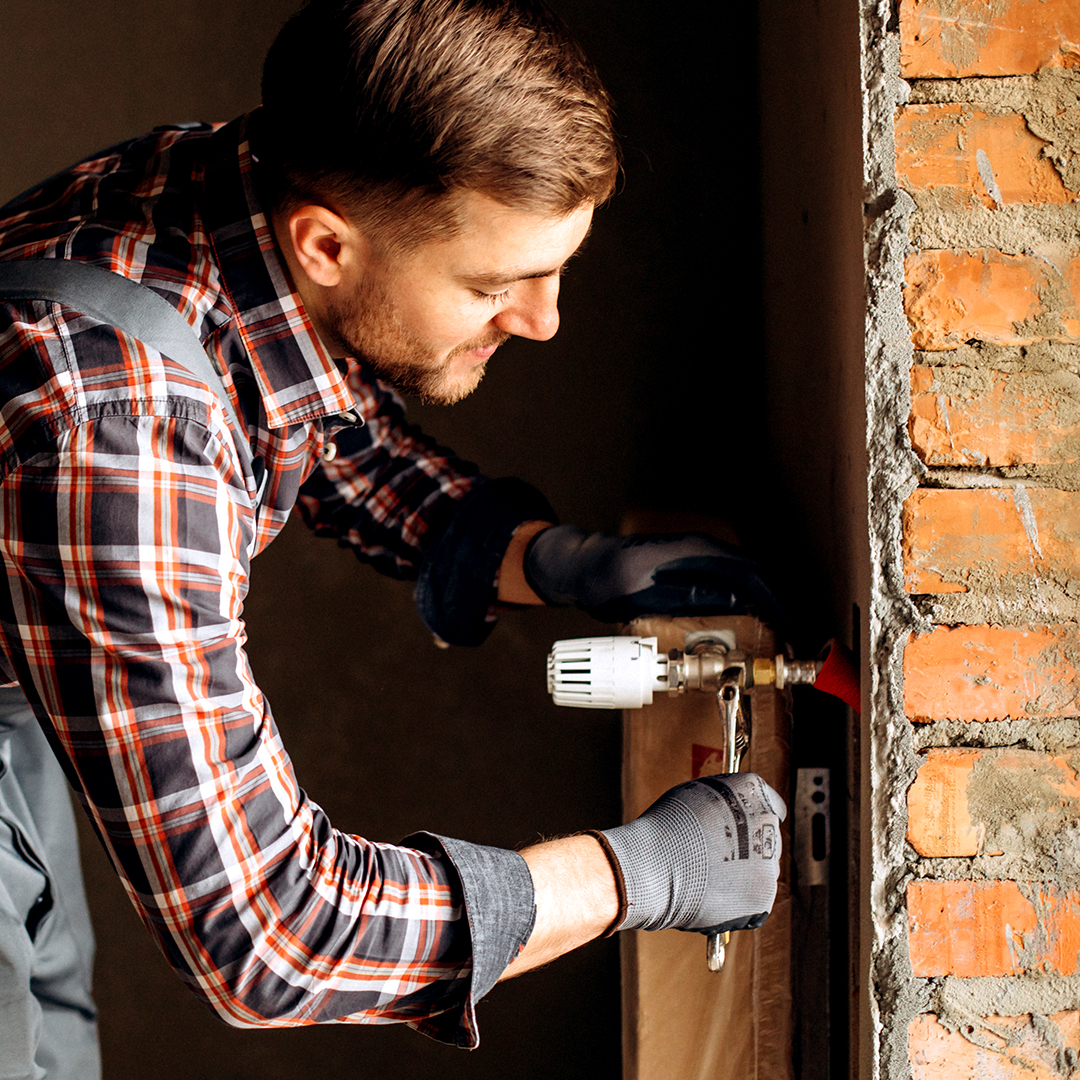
{"type": "Point", "coordinates": [813, 836]}
{"type": "Point", "coordinates": [811, 853]}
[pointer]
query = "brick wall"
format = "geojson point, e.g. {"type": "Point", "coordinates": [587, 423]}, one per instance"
{"type": "Point", "coordinates": [988, 149]}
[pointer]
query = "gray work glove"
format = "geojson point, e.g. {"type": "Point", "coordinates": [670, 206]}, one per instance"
{"type": "Point", "coordinates": [618, 578]}
{"type": "Point", "coordinates": [705, 856]}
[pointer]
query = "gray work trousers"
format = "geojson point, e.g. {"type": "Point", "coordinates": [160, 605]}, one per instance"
{"type": "Point", "coordinates": [48, 1023]}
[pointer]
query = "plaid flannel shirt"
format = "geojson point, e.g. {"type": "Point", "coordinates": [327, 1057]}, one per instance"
{"type": "Point", "coordinates": [127, 526]}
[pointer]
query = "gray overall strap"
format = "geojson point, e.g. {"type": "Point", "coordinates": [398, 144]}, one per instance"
{"type": "Point", "coordinates": [133, 308]}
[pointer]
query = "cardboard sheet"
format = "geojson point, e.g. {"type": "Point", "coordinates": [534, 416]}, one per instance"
{"type": "Point", "coordinates": [680, 1021]}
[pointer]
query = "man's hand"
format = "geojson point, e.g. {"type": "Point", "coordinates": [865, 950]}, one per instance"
{"type": "Point", "coordinates": [618, 578]}
{"type": "Point", "coordinates": [705, 856]}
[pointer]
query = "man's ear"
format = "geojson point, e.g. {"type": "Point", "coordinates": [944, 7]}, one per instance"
{"type": "Point", "coordinates": [325, 244]}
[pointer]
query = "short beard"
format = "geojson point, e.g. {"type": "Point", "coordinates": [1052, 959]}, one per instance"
{"type": "Point", "coordinates": [369, 325]}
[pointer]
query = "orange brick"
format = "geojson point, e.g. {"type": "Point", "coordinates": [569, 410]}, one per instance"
{"type": "Point", "coordinates": [950, 532]}
{"type": "Point", "coordinates": [956, 296]}
{"type": "Point", "coordinates": [967, 928]}
{"type": "Point", "coordinates": [991, 673]}
{"type": "Point", "coordinates": [937, 151]}
{"type": "Point", "coordinates": [1014, 420]}
{"type": "Point", "coordinates": [1001, 1047]}
{"type": "Point", "coordinates": [940, 817]}
{"type": "Point", "coordinates": [975, 929]}
{"type": "Point", "coordinates": [949, 38]}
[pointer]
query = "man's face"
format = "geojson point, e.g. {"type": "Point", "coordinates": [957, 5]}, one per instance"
{"type": "Point", "coordinates": [427, 321]}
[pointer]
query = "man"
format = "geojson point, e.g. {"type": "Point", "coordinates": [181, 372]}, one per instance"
{"type": "Point", "coordinates": [406, 199]}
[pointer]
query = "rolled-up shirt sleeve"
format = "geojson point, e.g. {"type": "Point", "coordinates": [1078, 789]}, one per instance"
{"type": "Point", "coordinates": [125, 541]}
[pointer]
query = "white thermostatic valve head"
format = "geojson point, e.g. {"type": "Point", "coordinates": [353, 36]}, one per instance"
{"type": "Point", "coordinates": [606, 672]}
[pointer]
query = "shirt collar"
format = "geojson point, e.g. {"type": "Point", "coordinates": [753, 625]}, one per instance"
{"type": "Point", "coordinates": [297, 378]}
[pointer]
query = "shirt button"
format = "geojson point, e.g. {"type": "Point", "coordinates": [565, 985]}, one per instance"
{"type": "Point", "coordinates": [349, 417]}
{"type": "Point", "coordinates": [329, 450]}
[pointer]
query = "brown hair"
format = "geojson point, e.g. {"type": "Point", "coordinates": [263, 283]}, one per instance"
{"type": "Point", "coordinates": [380, 108]}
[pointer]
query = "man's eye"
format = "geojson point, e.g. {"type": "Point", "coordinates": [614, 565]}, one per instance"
{"type": "Point", "coordinates": [492, 297]}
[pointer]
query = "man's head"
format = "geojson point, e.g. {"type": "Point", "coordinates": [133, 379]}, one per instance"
{"type": "Point", "coordinates": [434, 164]}
{"type": "Point", "coordinates": [427, 320]}
{"type": "Point", "coordinates": [381, 108]}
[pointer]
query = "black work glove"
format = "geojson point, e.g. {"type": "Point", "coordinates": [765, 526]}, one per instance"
{"type": "Point", "coordinates": [705, 856]}
{"type": "Point", "coordinates": [618, 578]}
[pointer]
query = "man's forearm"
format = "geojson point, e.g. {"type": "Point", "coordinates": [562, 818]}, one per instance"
{"type": "Point", "coordinates": [576, 899]}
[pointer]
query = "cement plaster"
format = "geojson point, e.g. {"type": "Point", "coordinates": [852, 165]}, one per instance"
{"type": "Point", "coordinates": [895, 997]}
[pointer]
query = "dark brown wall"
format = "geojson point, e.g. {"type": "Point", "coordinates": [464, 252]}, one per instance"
{"type": "Point", "coordinates": [814, 304]}
{"type": "Point", "coordinates": [816, 515]}
{"type": "Point", "coordinates": [640, 400]}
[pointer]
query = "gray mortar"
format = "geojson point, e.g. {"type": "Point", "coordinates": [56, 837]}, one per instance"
{"type": "Point", "coordinates": [1044, 356]}
{"type": "Point", "coordinates": [973, 608]}
{"type": "Point", "coordinates": [1057, 736]}
{"type": "Point", "coordinates": [894, 471]}
{"type": "Point", "coordinates": [960, 1002]}
{"type": "Point", "coordinates": [1009, 600]}
{"type": "Point", "coordinates": [1062, 477]}
{"type": "Point", "coordinates": [1028, 823]}
{"type": "Point", "coordinates": [1046, 232]}
{"type": "Point", "coordinates": [982, 868]}
{"type": "Point", "coordinates": [1003, 476]}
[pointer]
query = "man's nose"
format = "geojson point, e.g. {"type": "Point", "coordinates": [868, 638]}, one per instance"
{"type": "Point", "coordinates": [534, 310]}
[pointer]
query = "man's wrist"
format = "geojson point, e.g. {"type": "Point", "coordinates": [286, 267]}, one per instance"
{"type": "Point", "coordinates": [620, 881]}
{"type": "Point", "coordinates": [514, 587]}
{"type": "Point", "coordinates": [576, 898]}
